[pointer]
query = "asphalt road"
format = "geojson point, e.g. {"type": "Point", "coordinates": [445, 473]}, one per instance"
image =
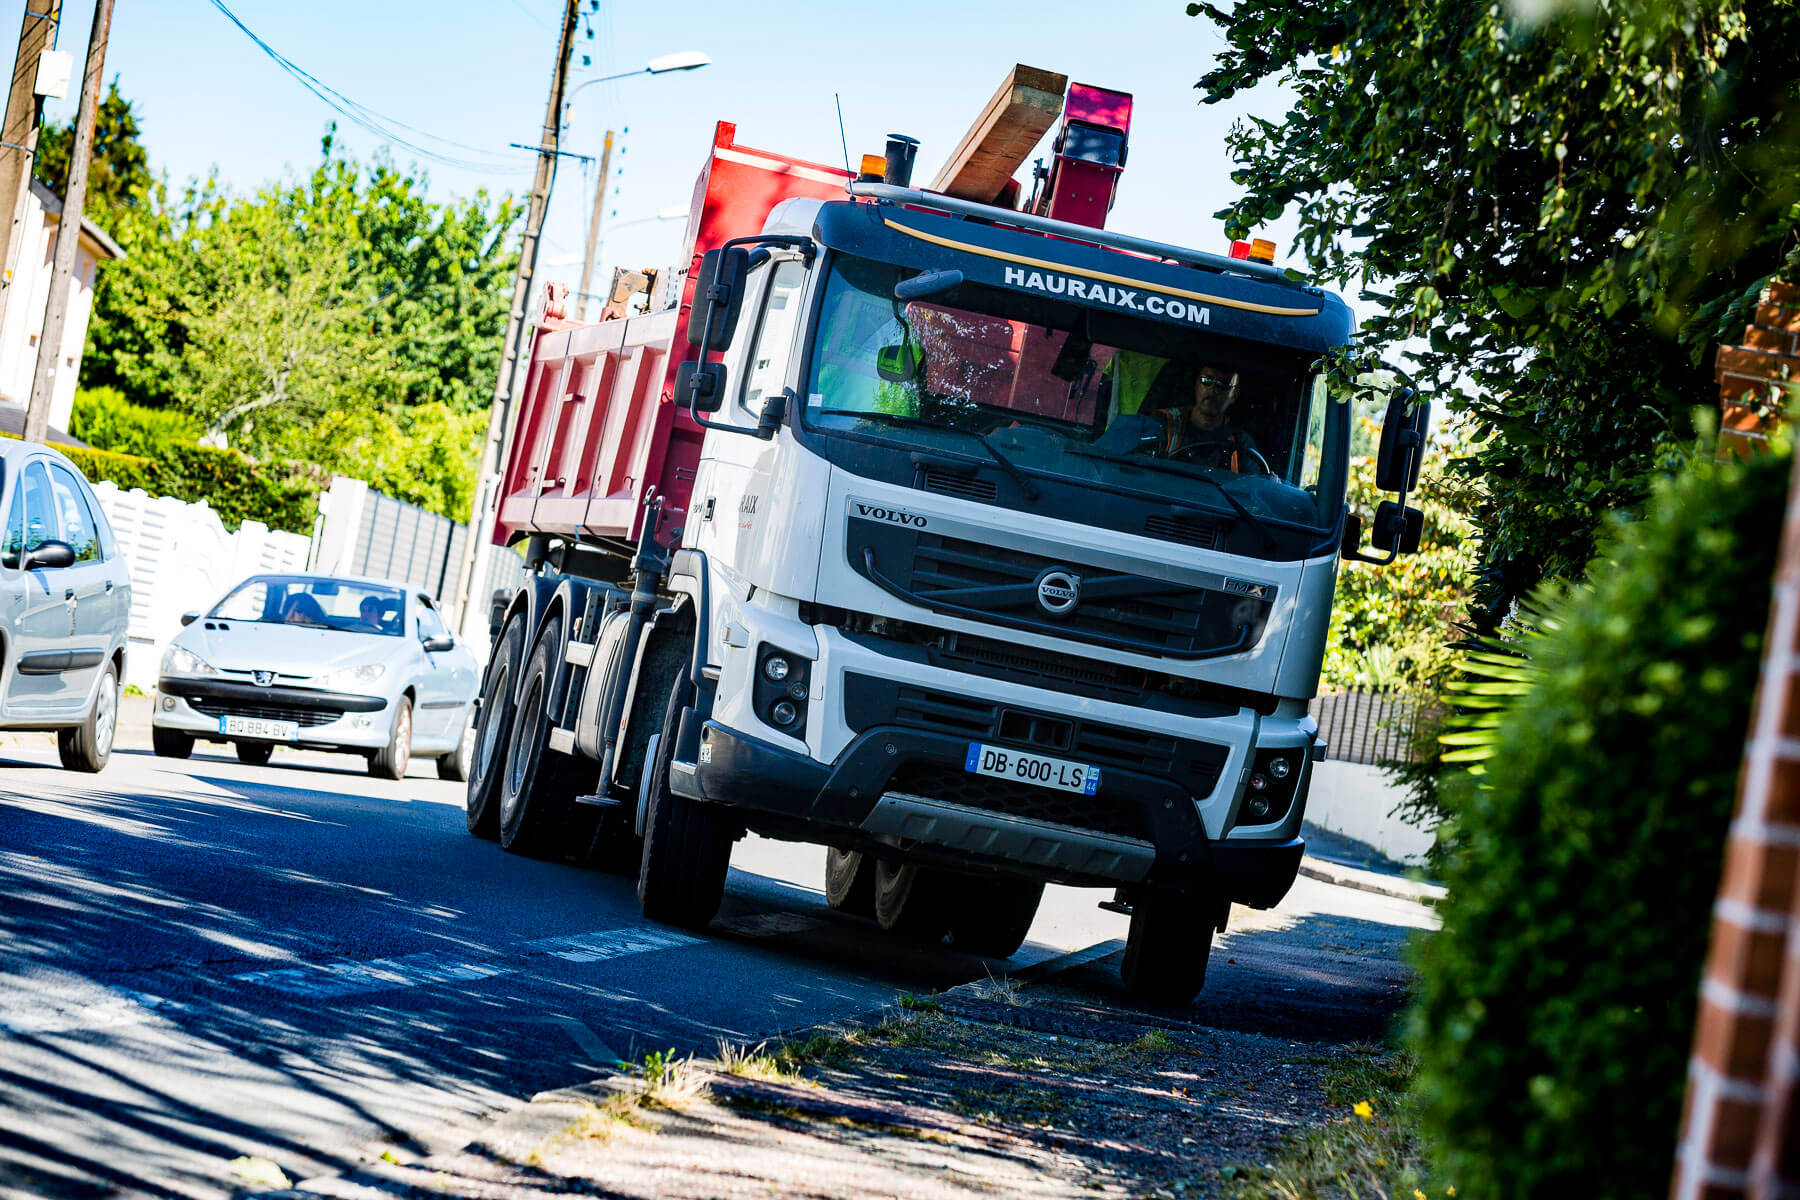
{"type": "Point", "coordinates": [201, 960]}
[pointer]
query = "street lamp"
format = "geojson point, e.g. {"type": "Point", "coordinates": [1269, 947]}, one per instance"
{"type": "Point", "coordinates": [681, 60]}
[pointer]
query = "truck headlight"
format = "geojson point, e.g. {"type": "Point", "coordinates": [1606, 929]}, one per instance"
{"type": "Point", "coordinates": [776, 668]}
{"type": "Point", "coordinates": [780, 689]}
{"type": "Point", "coordinates": [179, 661]}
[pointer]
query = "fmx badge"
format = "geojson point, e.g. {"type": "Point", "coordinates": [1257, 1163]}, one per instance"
{"type": "Point", "coordinates": [882, 512]}
{"type": "Point", "coordinates": [1244, 587]}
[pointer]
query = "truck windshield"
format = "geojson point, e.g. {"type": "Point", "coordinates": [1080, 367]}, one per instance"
{"type": "Point", "coordinates": [1054, 387]}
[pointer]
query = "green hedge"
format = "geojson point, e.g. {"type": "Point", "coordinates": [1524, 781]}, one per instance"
{"type": "Point", "coordinates": [1555, 1008]}
{"type": "Point", "coordinates": [237, 487]}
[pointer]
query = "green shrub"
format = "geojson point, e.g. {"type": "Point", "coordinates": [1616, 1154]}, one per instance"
{"type": "Point", "coordinates": [106, 420]}
{"type": "Point", "coordinates": [237, 487]}
{"type": "Point", "coordinates": [1555, 1008]}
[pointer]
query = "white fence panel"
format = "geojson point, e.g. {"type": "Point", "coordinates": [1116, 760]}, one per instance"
{"type": "Point", "coordinates": [182, 559]}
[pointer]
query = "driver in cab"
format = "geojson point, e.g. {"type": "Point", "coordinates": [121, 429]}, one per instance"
{"type": "Point", "coordinates": [1196, 418]}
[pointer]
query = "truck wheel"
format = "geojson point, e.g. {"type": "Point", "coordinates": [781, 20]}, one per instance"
{"type": "Point", "coordinates": [493, 729]}
{"type": "Point", "coordinates": [1168, 947]}
{"type": "Point", "coordinates": [538, 785]}
{"type": "Point", "coordinates": [391, 761]}
{"type": "Point", "coordinates": [171, 743]}
{"type": "Point", "coordinates": [993, 916]}
{"type": "Point", "coordinates": [687, 845]}
{"type": "Point", "coordinates": [88, 746]}
{"type": "Point", "coordinates": [850, 882]}
{"type": "Point", "coordinates": [912, 901]}
{"type": "Point", "coordinates": [255, 754]}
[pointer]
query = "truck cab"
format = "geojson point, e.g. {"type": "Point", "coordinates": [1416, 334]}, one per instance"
{"type": "Point", "coordinates": [1005, 558]}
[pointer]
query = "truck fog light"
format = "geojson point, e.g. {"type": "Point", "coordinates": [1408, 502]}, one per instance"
{"type": "Point", "coordinates": [1257, 807]}
{"type": "Point", "coordinates": [784, 713]}
{"type": "Point", "coordinates": [1280, 767]}
{"type": "Point", "coordinates": [797, 690]}
{"type": "Point", "coordinates": [775, 669]}
{"type": "Point", "coordinates": [1258, 782]}
{"type": "Point", "coordinates": [168, 704]}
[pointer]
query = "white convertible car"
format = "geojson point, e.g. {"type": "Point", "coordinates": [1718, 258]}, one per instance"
{"type": "Point", "coordinates": [321, 663]}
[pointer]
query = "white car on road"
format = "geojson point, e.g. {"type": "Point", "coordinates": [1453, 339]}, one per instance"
{"type": "Point", "coordinates": [319, 662]}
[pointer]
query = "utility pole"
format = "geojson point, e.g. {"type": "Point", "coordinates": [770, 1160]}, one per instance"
{"type": "Point", "coordinates": [593, 241]}
{"type": "Point", "coordinates": [487, 483]}
{"type": "Point", "coordinates": [68, 231]}
{"type": "Point", "coordinates": [19, 129]}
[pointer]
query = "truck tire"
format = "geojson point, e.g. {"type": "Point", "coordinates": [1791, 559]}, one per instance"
{"type": "Point", "coordinates": [88, 746]}
{"type": "Point", "coordinates": [616, 846]}
{"type": "Point", "coordinates": [992, 916]}
{"type": "Point", "coordinates": [538, 814]}
{"type": "Point", "coordinates": [255, 754]}
{"type": "Point", "coordinates": [171, 743]}
{"type": "Point", "coordinates": [493, 730]}
{"type": "Point", "coordinates": [912, 901]}
{"type": "Point", "coordinates": [687, 845]}
{"type": "Point", "coordinates": [850, 882]}
{"type": "Point", "coordinates": [1167, 950]}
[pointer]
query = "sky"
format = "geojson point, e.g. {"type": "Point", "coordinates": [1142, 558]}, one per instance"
{"type": "Point", "coordinates": [476, 72]}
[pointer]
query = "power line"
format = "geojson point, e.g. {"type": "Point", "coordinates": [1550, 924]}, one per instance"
{"type": "Point", "coordinates": [367, 118]}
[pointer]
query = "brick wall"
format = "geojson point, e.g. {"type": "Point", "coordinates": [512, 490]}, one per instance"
{"type": "Point", "coordinates": [1740, 1132]}
{"type": "Point", "coordinates": [1757, 378]}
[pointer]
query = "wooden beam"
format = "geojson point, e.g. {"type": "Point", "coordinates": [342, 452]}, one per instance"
{"type": "Point", "coordinates": [1027, 104]}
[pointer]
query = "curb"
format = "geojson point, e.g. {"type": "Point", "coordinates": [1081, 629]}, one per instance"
{"type": "Point", "coordinates": [1397, 887]}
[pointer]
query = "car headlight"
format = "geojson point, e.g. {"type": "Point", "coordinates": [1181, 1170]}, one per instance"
{"type": "Point", "coordinates": [177, 661]}
{"type": "Point", "coordinates": [349, 677]}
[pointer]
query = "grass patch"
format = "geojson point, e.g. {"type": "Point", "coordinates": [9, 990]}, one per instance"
{"type": "Point", "coordinates": [1373, 1150]}
{"type": "Point", "coordinates": [919, 1004]}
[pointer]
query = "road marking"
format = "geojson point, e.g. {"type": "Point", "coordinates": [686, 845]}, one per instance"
{"type": "Point", "coordinates": [50, 1009]}
{"type": "Point", "coordinates": [332, 980]}
{"type": "Point", "coordinates": [598, 1053]}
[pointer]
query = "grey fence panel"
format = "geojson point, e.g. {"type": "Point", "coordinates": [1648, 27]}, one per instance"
{"type": "Point", "coordinates": [407, 544]}
{"type": "Point", "coordinates": [1366, 726]}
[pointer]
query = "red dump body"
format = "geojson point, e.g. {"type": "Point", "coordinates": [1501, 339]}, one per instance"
{"type": "Point", "coordinates": [597, 431]}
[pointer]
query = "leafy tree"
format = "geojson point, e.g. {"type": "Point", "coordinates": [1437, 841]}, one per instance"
{"type": "Point", "coordinates": [119, 171]}
{"type": "Point", "coordinates": [1567, 217]}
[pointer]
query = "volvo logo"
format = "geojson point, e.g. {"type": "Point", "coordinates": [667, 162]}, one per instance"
{"type": "Point", "coordinates": [263, 678]}
{"type": "Point", "coordinates": [1058, 592]}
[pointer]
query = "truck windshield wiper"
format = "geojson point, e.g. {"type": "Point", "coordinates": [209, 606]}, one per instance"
{"type": "Point", "coordinates": [1237, 506]}
{"type": "Point", "coordinates": [1007, 464]}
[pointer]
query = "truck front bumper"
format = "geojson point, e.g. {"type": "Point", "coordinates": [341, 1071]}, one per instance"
{"type": "Point", "coordinates": [866, 798]}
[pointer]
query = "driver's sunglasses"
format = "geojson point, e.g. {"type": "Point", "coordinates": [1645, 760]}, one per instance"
{"type": "Point", "coordinates": [1215, 381]}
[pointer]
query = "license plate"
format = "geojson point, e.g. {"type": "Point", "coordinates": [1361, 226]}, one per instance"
{"type": "Point", "coordinates": [256, 727]}
{"type": "Point", "coordinates": [1022, 767]}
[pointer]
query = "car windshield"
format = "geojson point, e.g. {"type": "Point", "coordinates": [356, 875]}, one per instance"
{"type": "Point", "coordinates": [340, 604]}
{"type": "Point", "coordinates": [1125, 402]}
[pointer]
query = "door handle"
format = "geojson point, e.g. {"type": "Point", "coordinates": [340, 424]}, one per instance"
{"type": "Point", "coordinates": [109, 585]}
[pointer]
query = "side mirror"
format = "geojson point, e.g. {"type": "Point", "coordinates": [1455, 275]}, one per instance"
{"type": "Point", "coordinates": [1398, 527]}
{"type": "Point", "coordinates": [438, 645]}
{"type": "Point", "coordinates": [718, 297]}
{"type": "Point", "coordinates": [50, 554]}
{"type": "Point", "coordinates": [188, 618]}
{"type": "Point", "coordinates": [700, 387]}
{"type": "Point", "coordinates": [1402, 448]}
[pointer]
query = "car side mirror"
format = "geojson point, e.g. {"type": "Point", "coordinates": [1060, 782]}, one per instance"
{"type": "Point", "coordinates": [49, 554]}
{"type": "Point", "coordinates": [719, 288]}
{"type": "Point", "coordinates": [438, 645]}
{"type": "Point", "coordinates": [188, 618]}
{"type": "Point", "coordinates": [1402, 448]}
{"type": "Point", "coordinates": [700, 387]}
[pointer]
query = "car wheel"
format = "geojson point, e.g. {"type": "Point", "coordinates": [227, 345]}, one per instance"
{"type": "Point", "coordinates": [850, 882]}
{"type": "Point", "coordinates": [390, 762]}
{"type": "Point", "coordinates": [255, 754]}
{"type": "Point", "coordinates": [1168, 947]}
{"type": "Point", "coordinates": [88, 746]}
{"type": "Point", "coordinates": [454, 766]}
{"type": "Point", "coordinates": [912, 901]}
{"type": "Point", "coordinates": [493, 730]}
{"type": "Point", "coordinates": [687, 845]}
{"type": "Point", "coordinates": [171, 743]}
{"type": "Point", "coordinates": [992, 916]}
